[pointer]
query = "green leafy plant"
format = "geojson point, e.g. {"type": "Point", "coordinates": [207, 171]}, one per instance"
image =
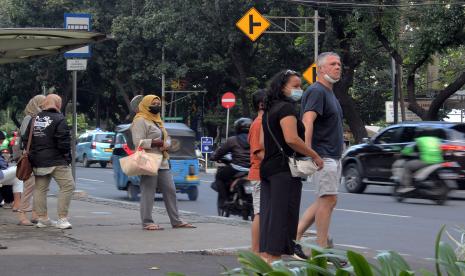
{"type": "Point", "coordinates": [329, 262]}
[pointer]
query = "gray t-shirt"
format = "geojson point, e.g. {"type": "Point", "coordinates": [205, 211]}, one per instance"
{"type": "Point", "coordinates": [328, 132]}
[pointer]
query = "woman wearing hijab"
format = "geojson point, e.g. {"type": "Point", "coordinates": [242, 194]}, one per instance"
{"type": "Point", "coordinates": [31, 110]}
{"type": "Point", "coordinates": [149, 132]}
{"type": "Point", "coordinates": [50, 156]}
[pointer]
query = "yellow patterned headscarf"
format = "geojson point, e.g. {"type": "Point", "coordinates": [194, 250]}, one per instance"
{"type": "Point", "coordinates": [144, 112]}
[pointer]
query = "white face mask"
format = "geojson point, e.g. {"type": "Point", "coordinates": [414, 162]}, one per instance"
{"type": "Point", "coordinates": [329, 79]}
{"type": "Point", "coordinates": [296, 94]}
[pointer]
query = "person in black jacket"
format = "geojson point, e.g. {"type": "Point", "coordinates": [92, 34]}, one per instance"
{"type": "Point", "coordinates": [50, 156]}
{"type": "Point", "coordinates": [239, 148]}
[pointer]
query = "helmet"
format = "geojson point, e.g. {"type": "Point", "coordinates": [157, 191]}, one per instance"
{"type": "Point", "coordinates": [242, 125]}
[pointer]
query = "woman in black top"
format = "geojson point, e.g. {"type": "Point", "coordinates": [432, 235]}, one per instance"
{"type": "Point", "coordinates": [280, 194]}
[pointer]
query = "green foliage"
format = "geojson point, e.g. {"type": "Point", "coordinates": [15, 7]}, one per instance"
{"type": "Point", "coordinates": [9, 127]}
{"type": "Point", "coordinates": [204, 48]}
{"type": "Point", "coordinates": [82, 124]}
{"type": "Point", "coordinates": [390, 263]}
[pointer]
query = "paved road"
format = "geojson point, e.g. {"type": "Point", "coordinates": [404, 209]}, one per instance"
{"type": "Point", "coordinates": [366, 222]}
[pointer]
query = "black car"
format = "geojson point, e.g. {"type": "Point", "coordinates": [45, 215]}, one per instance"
{"type": "Point", "coordinates": [370, 163]}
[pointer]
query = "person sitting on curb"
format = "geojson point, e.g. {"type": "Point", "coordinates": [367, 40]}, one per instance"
{"type": "Point", "coordinates": [8, 174]}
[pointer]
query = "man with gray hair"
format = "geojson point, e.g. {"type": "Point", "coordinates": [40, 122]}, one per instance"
{"type": "Point", "coordinates": [322, 116]}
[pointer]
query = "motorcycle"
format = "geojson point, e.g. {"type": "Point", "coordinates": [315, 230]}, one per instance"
{"type": "Point", "coordinates": [239, 201]}
{"type": "Point", "coordinates": [430, 182]}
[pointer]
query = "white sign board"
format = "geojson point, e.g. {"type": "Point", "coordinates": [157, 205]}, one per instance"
{"type": "Point", "coordinates": [409, 115]}
{"type": "Point", "coordinates": [76, 64]}
{"type": "Point", "coordinates": [78, 21]}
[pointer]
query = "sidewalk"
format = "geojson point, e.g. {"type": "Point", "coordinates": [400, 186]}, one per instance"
{"type": "Point", "coordinates": [106, 227]}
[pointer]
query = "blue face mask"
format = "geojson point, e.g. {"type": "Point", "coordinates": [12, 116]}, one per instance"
{"type": "Point", "coordinates": [296, 94]}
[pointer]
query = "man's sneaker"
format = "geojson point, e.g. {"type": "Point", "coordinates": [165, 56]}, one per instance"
{"type": "Point", "coordinates": [299, 253]}
{"type": "Point", "coordinates": [42, 223]}
{"type": "Point", "coordinates": [63, 223]}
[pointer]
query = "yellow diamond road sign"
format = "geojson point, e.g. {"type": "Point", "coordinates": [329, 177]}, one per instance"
{"type": "Point", "coordinates": [253, 24]}
{"type": "Point", "coordinates": [310, 74]}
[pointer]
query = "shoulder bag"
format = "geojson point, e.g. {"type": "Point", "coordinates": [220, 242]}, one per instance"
{"type": "Point", "coordinates": [24, 167]}
{"type": "Point", "coordinates": [299, 166]}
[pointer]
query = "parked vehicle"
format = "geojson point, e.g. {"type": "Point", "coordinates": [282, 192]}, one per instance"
{"type": "Point", "coordinates": [94, 147]}
{"type": "Point", "coordinates": [429, 182]}
{"type": "Point", "coordinates": [371, 163]}
{"type": "Point", "coordinates": [183, 160]}
{"type": "Point", "coordinates": [239, 201]}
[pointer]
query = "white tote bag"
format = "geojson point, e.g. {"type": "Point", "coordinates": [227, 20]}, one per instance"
{"type": "Point", "coordinates": [141, 163]}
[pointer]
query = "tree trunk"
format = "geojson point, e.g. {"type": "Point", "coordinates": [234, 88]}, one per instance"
{"type": "Point", "coordinates": [238, 62]}
{"type": "Point", "coordinates": [97, 112]}
{"type": "Point", "coordinates": [13, 117]}
{"type": "Point", "coordinates": [351, 114]}
{"type": "Point", "coordinates": [413, 105]}
{"type": "Point", "coordinates": [123, 93]}
{"type": "Point", "coordinates": [439, 100]}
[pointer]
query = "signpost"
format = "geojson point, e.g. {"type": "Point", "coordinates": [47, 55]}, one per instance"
{"type": "Point", "coordinates": [76, 21]}
{"type": "Point", "coordinates": [227, 101]}
{"type": "Point", "coordinates": [253, 24]}
{"type": "Point", "coordinates": [206, 145]}
{"type": "Point", "coordinates": [310, 74]}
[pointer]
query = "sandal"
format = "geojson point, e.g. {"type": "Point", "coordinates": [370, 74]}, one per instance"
{"type": "Point", "coordinates": [184, 225]}
{"type": "Point", "coordinates": [25, 223]}
{"type": "Point", "coordinates": [153, 227]}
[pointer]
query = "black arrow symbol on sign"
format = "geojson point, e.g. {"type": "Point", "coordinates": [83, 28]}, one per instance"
{"type": "Point", "coordinates": [313, 74]}
{"type": "Point", "coordinates": [253, 24]}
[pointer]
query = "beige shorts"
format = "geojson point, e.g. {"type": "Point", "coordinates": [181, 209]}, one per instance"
{"type": "Point", "coordinates": [256, 196]}
{"type": "Point", "coordinates": [327, 180]}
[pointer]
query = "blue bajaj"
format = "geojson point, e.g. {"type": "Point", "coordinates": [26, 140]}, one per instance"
{"type": "Point", "coordinates": [183, 160]}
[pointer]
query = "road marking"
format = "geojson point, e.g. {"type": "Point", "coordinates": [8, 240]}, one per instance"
{"type": "Point", "coordinates": [372, 213]}
{"type": "Point", "coordinates": [206, 181]}
{"type": "Point", "coordinates": [92, 180]}
{"type": "Point", "coordinates": [352, 246]}
{"type": "Point", "coordinates": [101, 213]}
{"type": "Point", "coordinates": [344, 193]}
{"type": "Point", "coordinates": [402, 254]}
{"type": "Point", "coordinates": [86, 188]}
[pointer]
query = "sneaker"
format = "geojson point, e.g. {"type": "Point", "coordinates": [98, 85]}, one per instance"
{"type": "Point", "coordinates": [299, 253]}
{"type": "Point", "coordinates": [63, 223]}
{"type": "Point", "coordinates": [42, 223]}
{"type": "Point", "coordinates": [8, 206]}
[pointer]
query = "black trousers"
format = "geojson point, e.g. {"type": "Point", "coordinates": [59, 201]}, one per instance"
{"type": "Point", "coordinates": [224, 177]}
{"type": "Point", "coordinates": [279, 213]}
{"type": "Point", "coordinates": [6, 193]}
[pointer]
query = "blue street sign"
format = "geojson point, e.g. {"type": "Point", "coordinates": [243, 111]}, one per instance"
{"type": "Point", "coordinates": [206, 144]}
{"type": "Point", "coordinates": [207, 149]}
{"type": "Point", "coordinates": [206, 141]}
{"type": "Point", "coordinates": [78, 21]}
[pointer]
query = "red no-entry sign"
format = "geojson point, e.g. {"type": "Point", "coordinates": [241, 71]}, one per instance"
{"type": "Point", "coordinates": [228, 100]}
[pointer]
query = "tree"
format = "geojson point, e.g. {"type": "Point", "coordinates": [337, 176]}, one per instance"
{"type": "Point", "coordinates": [429, 30]}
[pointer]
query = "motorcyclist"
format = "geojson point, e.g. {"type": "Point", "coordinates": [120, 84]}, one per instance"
{"type": "Point", "coordinates": [425, 151]}
{"type": "Point", "coordinates": [239, 148]}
